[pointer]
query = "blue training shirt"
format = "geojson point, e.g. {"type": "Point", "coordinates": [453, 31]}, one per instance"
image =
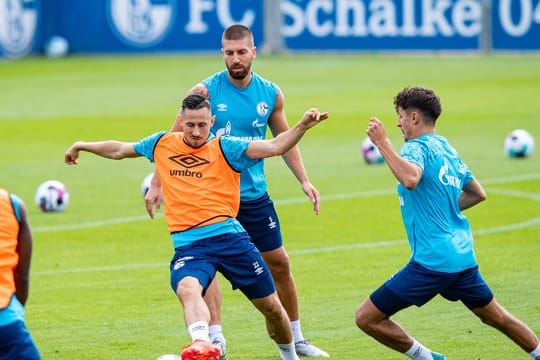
{"type": "Point", "coordinates": [234, 150]}
{"type": "Point", "coordinates": [244, 113]}
{"type": "Point", "coordinates": [439, 234]}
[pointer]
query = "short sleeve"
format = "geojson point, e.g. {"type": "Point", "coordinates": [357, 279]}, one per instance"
{"type": "Point", "coordinates": [145, 147]}
{"type": "Point", "coordinates": [413, 151]}
{"type": "Point", "coordinates": [234, 149]}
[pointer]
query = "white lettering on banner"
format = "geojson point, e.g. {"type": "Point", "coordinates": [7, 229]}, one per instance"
{"type": "Point", "coordinates": [225, 18]}
{"type": "Point", "coordinates": [434, 16]}
{"type": "Point", "coordinates": [196, 25]}
{"type": "Point", "coordinates": [383, 18]}
{"type": "Point", "coordinates": [344, 18]}
{"type": "Point", "coordinates": [197, 8]}
{"type": "Point", "coordinates": [526, 18]}
{"type": "Point", "coordinates": [465, 16]}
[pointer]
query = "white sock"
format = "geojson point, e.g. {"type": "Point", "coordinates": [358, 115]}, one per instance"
{"type": "Point", "coordinates": [216, 333]}
{"type": "Point", "coordinates": [419, 352]}
{"type": "Point", "coordinates": [535, 354]}
{"type": "Point", "coordinates": [198, 331]}
{"type": "Point", "coordinates": [297, 331]}
{"type": "Point", "coordinates": [287, 351]}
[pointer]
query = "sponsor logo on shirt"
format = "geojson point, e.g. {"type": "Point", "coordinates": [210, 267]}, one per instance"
{"type": "Point", "coordinates": [447, 179]}
{"type": "Point", "coordinates": [188, 161]}
{"type": "Point", "coordinates": [257, 124]}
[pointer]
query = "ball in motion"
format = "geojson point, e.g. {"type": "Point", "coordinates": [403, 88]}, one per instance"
{"type": "Point", "coordinates": [519, 144]}
{"type": "Point", "coordinates": [52, 196]}
{"type": "Point", "coordinates": [370, 152]}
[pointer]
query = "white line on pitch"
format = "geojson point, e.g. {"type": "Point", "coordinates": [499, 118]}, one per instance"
{"type": "Point", "coordinates": [343, 196]}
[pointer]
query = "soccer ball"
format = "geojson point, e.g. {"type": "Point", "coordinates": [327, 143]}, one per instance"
{"type": "Point", "coordinates": [169, 357]}
{"type": "Point", "coordinates": [145, 186]}
{"type": "Point", "coordinates": [56, 47]}
{"type": "Point", "coordinates": [519, 144]}
{"type": "Point", "coordinates": [52, 196]}
{"type": "Point", "coordinates": [371, 153]}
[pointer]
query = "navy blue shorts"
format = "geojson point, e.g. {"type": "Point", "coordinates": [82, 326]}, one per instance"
{"type": "Point", "coordinates": [233, 255]}
{"type": "Point", "coordinates": [261, 222]}
{"type": "Point", "coordinates": [416, 285]}
{"type": "Point", "coordinates": [16, 343]}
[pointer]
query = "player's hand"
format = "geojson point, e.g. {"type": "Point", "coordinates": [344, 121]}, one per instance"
{"type": "Point", "coordinates": [71, 155]}
{"type": "Point", "coordinates": [312, 117]}
{"type": "Point", "coordinates": [153, 199]}
{"type": "Point", "coordinates": [313, 195]}
{"type": "Point", "coordinates": [375, 131]}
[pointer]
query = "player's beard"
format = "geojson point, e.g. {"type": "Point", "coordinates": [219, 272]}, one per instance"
{"type": "Point", "coordinates": [237, 73]}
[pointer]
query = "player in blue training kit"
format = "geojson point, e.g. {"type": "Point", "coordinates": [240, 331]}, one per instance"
{"type": "Point", "coordinates": [245, 105]}
{"type": "Point", "coordinates": [434, 186]}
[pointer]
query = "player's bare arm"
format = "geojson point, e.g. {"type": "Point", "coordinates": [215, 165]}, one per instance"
{"type": "Point", "coordinates": [110, 149]}
{"type": "Point", "coordinates": [286, 140]}
{"type": "Point", "coordinates": [407, 173]}
{"type": "Point", "coordinates": [472, 194]}
{"type": "Point", "coordinates": [278, 124]}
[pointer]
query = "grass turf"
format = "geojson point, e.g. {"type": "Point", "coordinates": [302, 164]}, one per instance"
{"type": "Point", "coordinates": [99, 284]}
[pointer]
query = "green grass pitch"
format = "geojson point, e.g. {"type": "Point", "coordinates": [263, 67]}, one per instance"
{"type": "Point", "coordinates": [99, 280]}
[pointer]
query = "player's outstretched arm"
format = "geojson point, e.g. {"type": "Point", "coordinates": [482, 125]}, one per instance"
{"type": "Point", "coordinates": [110, 149]}
{"type": "Point", "coordinates": [286, 140]}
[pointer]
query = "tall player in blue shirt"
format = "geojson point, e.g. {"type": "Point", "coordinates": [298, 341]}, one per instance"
{"type": "Point", "coordinates": [434, 186]}
{"type": "Point", "coordinates": [245, 105]}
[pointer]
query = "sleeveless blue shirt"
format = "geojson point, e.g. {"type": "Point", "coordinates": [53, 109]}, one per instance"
{"type": "Point", "coordinates": [244, 113]}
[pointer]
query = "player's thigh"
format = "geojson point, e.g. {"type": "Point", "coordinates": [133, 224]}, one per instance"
{"type": "Point", "coordinates": [261, 222]}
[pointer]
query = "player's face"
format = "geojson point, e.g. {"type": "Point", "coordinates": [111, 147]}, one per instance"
{"type": "Point", "coordinates": [405, 123]}
{"type": "Point", "coordinates": [196, 126]}
{"type": "Point", "coordinates": [238, 56]}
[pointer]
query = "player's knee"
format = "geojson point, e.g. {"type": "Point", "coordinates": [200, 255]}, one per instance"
{"type": "Point", "coordinates": [280, 267]}
{"type": "Point", "coordinates": [361, 319]}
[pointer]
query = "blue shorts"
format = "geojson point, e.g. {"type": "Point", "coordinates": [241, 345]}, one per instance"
{"type": "Point", "coordinates": [16, 342]}
{"type": "Point", "coordinates": [231, 254]}
{"type": "Point", "coordinates": [261, 222]}
{"type": "Point", "coordinates": [416, 285]}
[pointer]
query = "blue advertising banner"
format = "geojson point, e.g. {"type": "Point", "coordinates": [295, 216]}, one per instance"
{"type": "Point", "coordinates": [20, 23]}
{"type": "Point", "coordinates": [382, 25]}
{"type": "Point", "coordinates": [144, 26]}
{"type": "Point", "coordinates": [516, 25]}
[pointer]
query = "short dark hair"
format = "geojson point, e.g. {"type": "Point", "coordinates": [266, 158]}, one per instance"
{"type": "Point", "coordinates": [420, 98]}
{"type": "Point", "coordinates": [238, 32]}
{"type": "Point", "coordinates": [195, 102]}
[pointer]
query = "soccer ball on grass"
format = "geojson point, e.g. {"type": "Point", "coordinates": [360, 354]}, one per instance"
{"type": "Point", "coordinates": [518, 144]}
{"type": "Point", "coordinates": [371, 153]}
{"type": "Point", "coordinates": [52, 196]}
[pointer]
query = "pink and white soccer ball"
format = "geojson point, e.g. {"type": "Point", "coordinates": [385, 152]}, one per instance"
{"type": "Point", "coordinates": [52, 196]}
{"type": "Point", "coordinates": [519, 144]}
{"type": "Point", "coordinates": [371, 153]}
